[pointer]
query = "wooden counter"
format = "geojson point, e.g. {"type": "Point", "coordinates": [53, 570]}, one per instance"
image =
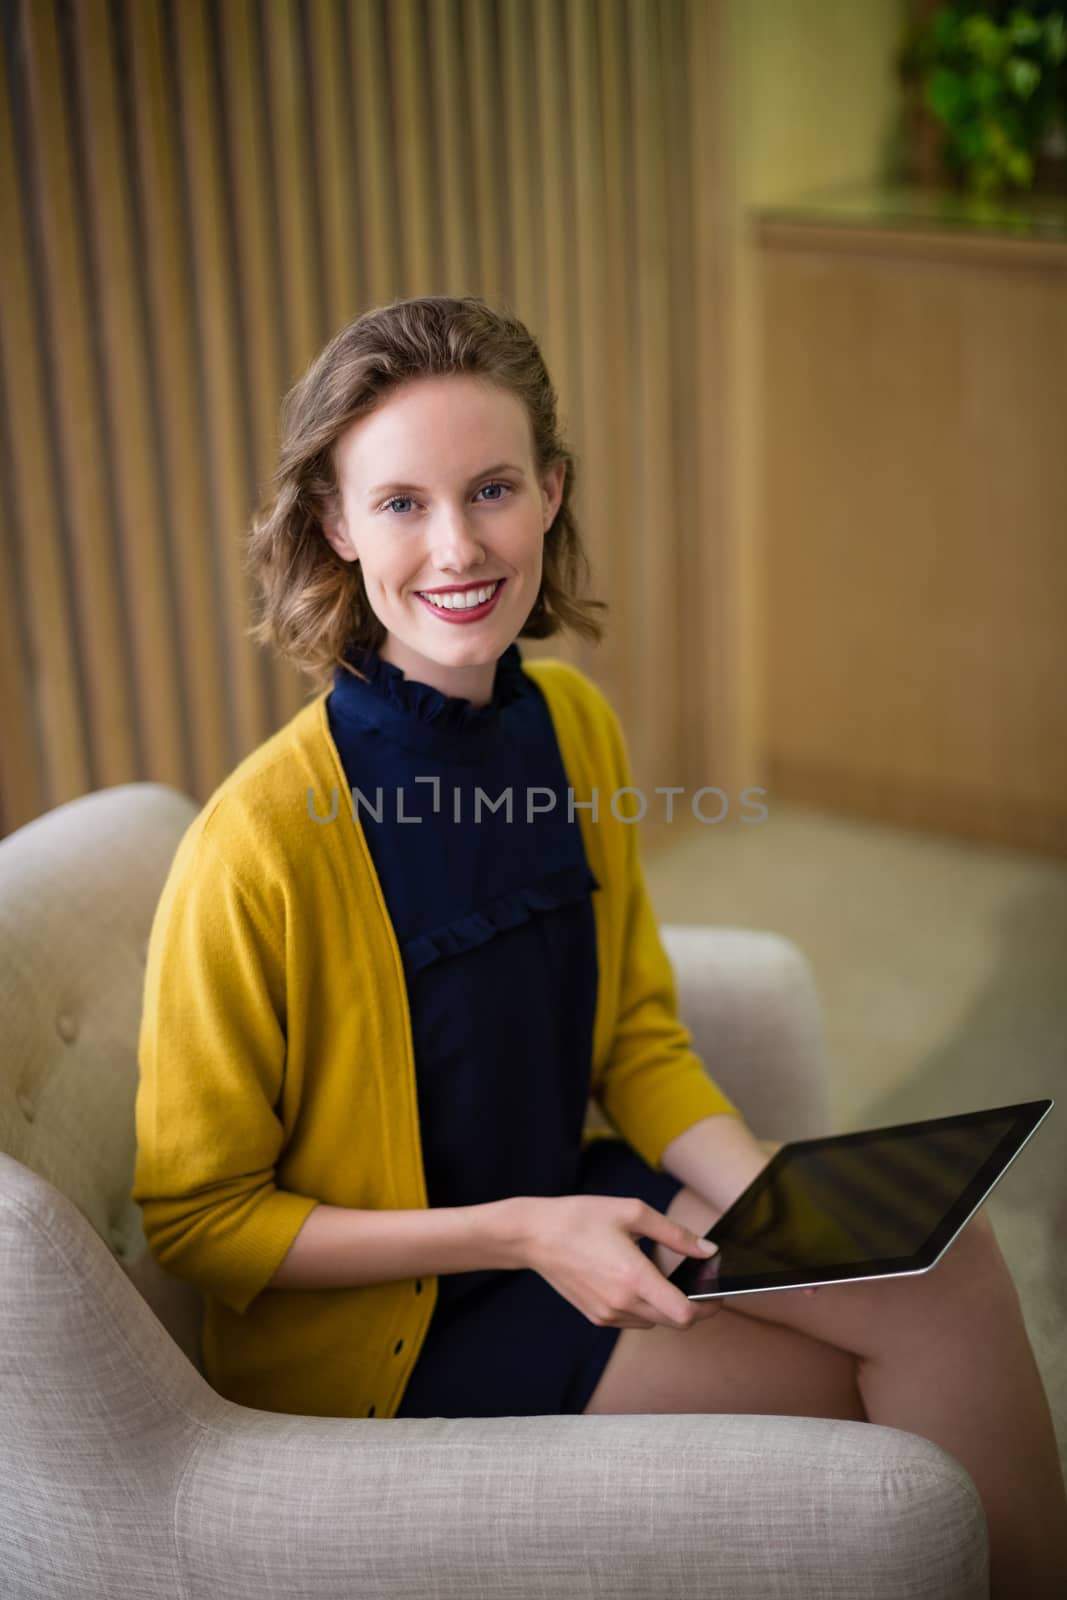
{"type": "Point", "coordinates": [914, 404]}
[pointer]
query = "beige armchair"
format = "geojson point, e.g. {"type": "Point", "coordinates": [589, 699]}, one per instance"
{"type": "Point", "coordinates": [123, 1474]}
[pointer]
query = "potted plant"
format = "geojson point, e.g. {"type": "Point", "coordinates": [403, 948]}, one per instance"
{"type": "Point", "coordinates": [991, 81]}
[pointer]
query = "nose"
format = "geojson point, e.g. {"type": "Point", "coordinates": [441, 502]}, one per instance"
{"type": "Point", "coordinates": [453, 546]}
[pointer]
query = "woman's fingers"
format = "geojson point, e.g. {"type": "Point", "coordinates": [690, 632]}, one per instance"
{"type": "Point", "coordinates": [676, 1236]}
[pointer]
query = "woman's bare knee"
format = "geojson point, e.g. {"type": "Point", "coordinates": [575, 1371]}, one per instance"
{"type": "Point", "coordinates": [727, 1364]}
{"type": "Point", "coordinates": [724, 1364]}
{"type": "Point", "coordinates": [884, 1317]}
{"type": "Point", "coordinates": [890, 1318]}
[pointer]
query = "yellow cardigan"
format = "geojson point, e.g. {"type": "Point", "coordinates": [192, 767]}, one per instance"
{"type": "Point", "coordinates": [276, 1060]}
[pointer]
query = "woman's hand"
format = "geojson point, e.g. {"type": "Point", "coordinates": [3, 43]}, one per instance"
{"type": "Point", "coordinates": [583, 1245]}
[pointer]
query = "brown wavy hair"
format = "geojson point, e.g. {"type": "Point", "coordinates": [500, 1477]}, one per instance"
{"type": "Point", "coordinates": [313, 604]}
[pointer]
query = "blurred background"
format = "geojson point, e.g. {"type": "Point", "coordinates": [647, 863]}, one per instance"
{"type": "Point", "coordinates": [799, 271]}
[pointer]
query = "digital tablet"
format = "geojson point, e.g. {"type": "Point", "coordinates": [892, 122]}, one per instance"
{"type": "Point", "coordinates": [881, 1203]}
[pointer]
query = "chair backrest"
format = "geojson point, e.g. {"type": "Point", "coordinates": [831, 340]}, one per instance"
{"type": "Point", "coordinates": [78, 891]}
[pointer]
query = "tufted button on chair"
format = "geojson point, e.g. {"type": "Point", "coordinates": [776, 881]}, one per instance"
{"type": "Point", "coordinates": [123, 1473]}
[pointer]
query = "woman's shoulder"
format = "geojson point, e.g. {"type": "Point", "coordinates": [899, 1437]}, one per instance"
{"type": "Point", "coordinates": [262, 813]}
{"type": "Point", "coordinates": [563, 682]}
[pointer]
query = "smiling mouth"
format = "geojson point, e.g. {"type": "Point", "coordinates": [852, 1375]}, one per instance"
{"type": "Point", "coordinates": [475, 600]}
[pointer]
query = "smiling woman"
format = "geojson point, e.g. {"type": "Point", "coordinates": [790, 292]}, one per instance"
{"type": "Point", "coordinates": [391, 1032]}
{"type": "Point", "coordinates": [367, 1053]}
{"type": "Point", "coordinates": [451, 569]}
{"type": "Point", "coordinates": [424, 429]}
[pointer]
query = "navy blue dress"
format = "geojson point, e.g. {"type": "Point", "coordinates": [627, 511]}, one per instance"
{"type": "Point", "coordinates": [494, 919]}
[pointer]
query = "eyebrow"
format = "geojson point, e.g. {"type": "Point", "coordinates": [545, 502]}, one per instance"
{"type": "Point", "coordinates": [417, 488]}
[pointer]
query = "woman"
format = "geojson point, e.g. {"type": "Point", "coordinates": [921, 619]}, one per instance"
{"type": "Point", "coordinates": [371, 1030]}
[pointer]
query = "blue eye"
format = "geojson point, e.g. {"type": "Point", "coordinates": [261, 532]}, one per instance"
{"type": "Point", "coordinates": [405, 499]}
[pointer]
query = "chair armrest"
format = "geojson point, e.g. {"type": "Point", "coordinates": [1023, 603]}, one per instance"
{"type": "Point", "coordinates": [750, 1001]}
{"type": "Point", "coordinates": [645, 1507]}
{"type": "Point", "coordinates": [125, 1473]}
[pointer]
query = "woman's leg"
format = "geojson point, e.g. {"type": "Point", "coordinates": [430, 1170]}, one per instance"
{"type": "Point", "coordinates": [945, 1355]}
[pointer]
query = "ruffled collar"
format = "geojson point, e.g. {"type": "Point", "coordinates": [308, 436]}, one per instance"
{"type": "Point", "coordinates": [383, 698]}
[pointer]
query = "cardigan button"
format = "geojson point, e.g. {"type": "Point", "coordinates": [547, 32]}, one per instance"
{"type": "Point", "coordinates": [398, 1347]}
{"type": "Point", "coordinates": [418, 1285]}
{"type": "Point", "coordinates": [370, 1413]}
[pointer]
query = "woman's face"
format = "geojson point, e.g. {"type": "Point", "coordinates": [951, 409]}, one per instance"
{"type": "Point", "coordinates": [440, 496]}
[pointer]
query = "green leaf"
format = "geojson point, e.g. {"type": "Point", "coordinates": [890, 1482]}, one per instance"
{"type": "Point", "coordinates": [1012, 119]}
{"type": "Point", "coordinates": [944, 30]}
{"type": "Point", "coordinates": [1056, 38]}
{"type": "Point", "coordinates": [1019, 166]}
{"type": "Point", "coordinates": [947, 95]}
{"type": "Point", "coordinates": [973, 141]}
{"type": "Point", "coordinates": [997, 142]}
{"type": "Point", "coordinates": [984, 40]}
{"type": "Point", "coordinates": [1022, 76]}
{"type": "Point", "coordinates": [985, 86]}
{"type": "Point", "coordinates": [1023, 28]}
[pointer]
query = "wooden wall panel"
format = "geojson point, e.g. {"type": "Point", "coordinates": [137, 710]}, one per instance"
{"type": "Point", "coordinates": [917, 528]}
{"type": "Point", "coordinates": [45, 748]}
{"type": "Point", "coordinates": [597, 307]}
{"type": "Point", "coordinates": [217, 292]}
{"type": "Point", "coordinates": [79, 687]}
{"type": "Point", "coordinates": [373, 241]}
{"type": "Point", "coordinates": [196, 673]}
{"type": "Point", "coordinates": [147, 618]}
{"type": "Point", "coordinates": [195, 196]}
{"type": "Point", "coordinates": [526, 214]}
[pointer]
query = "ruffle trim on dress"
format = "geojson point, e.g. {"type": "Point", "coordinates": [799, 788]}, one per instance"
{"type": "Point", "coordinates": [566, 886]}
{"type": "Point", "coordinates": [410, 698]}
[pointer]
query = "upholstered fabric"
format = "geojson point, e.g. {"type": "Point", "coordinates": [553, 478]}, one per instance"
{"type": "Point", "coordinates": [125, 1477]}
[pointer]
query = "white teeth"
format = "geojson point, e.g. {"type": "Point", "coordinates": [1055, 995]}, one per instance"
{"type": "Point", "coordinates": [462, 602]}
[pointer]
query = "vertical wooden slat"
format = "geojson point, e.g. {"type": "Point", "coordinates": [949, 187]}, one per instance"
{"type": "Point", "coordinates": [525, 205]}
{"type": "Point", "coordinates": [555, 222]}
{"type": "Point", "coordinates": [621, 662]}
{"type": "Point", "coordinates": [94, 741]}
{"type": "Point", "coordinates": [560, 333]}
{"type": "Point", "coordinates": [257, 227]}
{"type": "Point", "coordinates": [304, 316]}
{"type": "Point", "coordinates": [45, 756]}
{"type": "Point", "coordinates": [592, 297]}
{"type": "Point", "coordinates": [217, 359]}
{"type": "Point", "coordinates": [148, 620]}
{"type": "Point", "coordinates": [521, 46]}
{"type": "Point", "coordinates": [451, 136]}
{"type": "Point", "coordinates": [651, 549]}
{"type": "Point", "coordinates": [22, 760]}
{"type": "Point", "coordinates": [342, 266]}
{"type": "Point", "coordinates": [415, 199]}
{"type": "Point", "coordinates": [691, 526]}
{"type": "Point", "coordinates": [489, 192]}
{"type": "Point", "coordinates": [729, 648]}
{"type": "Point", "coordinates": [183, 486]}
{"type": "Point", "coordinates": [374, 220]}
{"type": "Point", "coordinates": [264, 352]}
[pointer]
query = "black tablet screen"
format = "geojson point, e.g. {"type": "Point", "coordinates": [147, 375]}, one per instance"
{"type": "Point", "coordinates": [861, 1202]}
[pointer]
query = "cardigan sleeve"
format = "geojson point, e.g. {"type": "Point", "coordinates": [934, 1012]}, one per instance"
{"type": "Point", "coordinates": [211, 1054]}
{"type": "Point", "coordinates": [653, 1085]}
